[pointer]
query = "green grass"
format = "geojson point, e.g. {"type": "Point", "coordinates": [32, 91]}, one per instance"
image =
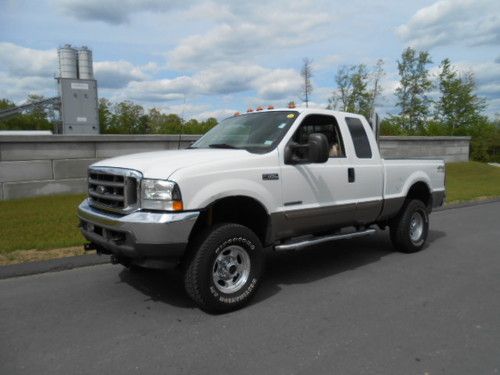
{"type": "Point", "coordinates": [39, 223]}
{"type": "Point", "coordinates": [471, 181]}
{"type": "Point", "coordinates": [51, 222]}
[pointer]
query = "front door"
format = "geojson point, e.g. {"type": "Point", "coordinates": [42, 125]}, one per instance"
{"type": "Point", "coordinates": [316, 197]}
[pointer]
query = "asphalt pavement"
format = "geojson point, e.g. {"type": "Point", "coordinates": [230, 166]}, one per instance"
{"type": "Point", "coordinates": [350, 307]}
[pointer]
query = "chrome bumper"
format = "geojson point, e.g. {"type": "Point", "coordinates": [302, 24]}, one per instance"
{"type": "Point", "coordinates": [139, 234]}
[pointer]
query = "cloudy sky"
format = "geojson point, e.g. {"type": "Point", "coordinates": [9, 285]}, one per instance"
{"type": "Point", "coordinates": [210, 58]}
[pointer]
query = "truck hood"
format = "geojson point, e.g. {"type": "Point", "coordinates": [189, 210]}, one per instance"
{"type": "Point", "coordinates": [161, 164]}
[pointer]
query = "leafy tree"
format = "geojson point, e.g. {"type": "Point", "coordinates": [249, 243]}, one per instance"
{"type": "Point", "coordinates": [127, 118]}
{"type": "Point", "coordinates": [6, 104]}
{"type": "Point", "coordinates": [105, 115]}
{"type": "Point", "coordinates": [32, 119]}
{"type": "Point", "coordinates": [415, 85]}
{"type": "Point", "coordinates": [352, 93]}
{"type": "Point", "coordinates": [307, 87]}
{"type": "Point", "coordinates": [458, 107]}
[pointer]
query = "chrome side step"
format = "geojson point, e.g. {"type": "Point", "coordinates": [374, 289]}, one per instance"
{"type": "Point", "coordinates": [317, 240]}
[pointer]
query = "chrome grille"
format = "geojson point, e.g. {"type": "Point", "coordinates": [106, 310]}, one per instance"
{"type": "Point", "coordinates": [114, 189]}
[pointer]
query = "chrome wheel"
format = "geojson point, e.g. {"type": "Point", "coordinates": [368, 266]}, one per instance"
{"type": "Point", "coordinates": [416, 226]}
{"type": "Point", "coordinates": [231, 269]}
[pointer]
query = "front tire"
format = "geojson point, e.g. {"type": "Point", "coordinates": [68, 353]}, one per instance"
{"type": "Point", "coordinates": [410, 228]}
{"type": "Point", "coordinates": [225, 268]}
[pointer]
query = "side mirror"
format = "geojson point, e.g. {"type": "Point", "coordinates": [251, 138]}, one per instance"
{"type": "Point", "coordinates": [315, 151]}
{"type": "Point", "coordinates": [318, 148]}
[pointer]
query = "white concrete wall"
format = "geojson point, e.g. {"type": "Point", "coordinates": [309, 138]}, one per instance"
{"type": "Point", "coordinates": [57, 164]}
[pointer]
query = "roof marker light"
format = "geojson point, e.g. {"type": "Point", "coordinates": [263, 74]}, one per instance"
{"type": "Point", "coordinates": [249, 110]}
{"type": "Point", "coordinates": [259, 108]}
{"type": "Point", "coordinates": [270, 107]}
{"type": "Point", "coordinates": [236, 114]}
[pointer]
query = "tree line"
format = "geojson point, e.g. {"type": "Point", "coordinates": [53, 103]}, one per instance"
{"type": "Point", "coordinates": [123, 117]}
{"type": "Point", "coordinates": [445, 105]}
{"type": "Point", "coordinates": [127, 117]}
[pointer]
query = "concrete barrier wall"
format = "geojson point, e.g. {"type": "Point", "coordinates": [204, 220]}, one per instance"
{"type": "Point", "coordinates": [450, 149]}
{"type": "Point", "coordinates": [45, 165]}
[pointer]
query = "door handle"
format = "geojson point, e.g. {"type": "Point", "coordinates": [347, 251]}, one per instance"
{"type": "Point", "coordinates": [351, 177]}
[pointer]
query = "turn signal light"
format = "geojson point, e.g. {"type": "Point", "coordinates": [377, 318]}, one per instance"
{"type": "Point", "coordinates": [177, 206]}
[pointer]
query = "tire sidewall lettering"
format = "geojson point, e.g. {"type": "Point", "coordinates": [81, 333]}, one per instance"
{"type": "Point", "coordinates": [249, 246]}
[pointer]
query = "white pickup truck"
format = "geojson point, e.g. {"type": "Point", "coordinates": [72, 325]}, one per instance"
{"type": "Point", "coordinates": [280, 178]}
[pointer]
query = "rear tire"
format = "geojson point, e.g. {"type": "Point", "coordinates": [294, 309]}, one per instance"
{"type": "Point", "coordinates": [225, 268]}
{"type": "Point", "coordinates": [410, 228]}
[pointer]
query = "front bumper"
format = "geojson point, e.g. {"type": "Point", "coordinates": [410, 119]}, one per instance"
{"type": "Point", "coordinates": [139, 235]}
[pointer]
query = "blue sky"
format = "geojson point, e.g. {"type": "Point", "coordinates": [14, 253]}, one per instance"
{"type": "Point", "coordinates": [211, 58]}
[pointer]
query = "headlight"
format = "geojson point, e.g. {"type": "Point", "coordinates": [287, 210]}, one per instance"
{"type": "Point", "coordinates": [160, 195]}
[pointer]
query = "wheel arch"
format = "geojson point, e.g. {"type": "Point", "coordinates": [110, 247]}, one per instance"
{"type": "Point", "coordinates": [239, 209]}
{"type": "Point", "coordinates": [420, 190]}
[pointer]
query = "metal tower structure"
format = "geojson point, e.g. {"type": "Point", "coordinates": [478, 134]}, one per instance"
{"type": "Point", "coordinates": [77, 101]}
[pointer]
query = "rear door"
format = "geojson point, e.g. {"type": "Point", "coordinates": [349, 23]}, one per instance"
{"type": "Point", "coordinates": [365, 169]}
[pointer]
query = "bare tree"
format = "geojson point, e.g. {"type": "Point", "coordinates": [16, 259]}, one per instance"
{"type": "Point", "coordinates": [306, 73]}
{"type": "Point", "coordinates": [377, 75]}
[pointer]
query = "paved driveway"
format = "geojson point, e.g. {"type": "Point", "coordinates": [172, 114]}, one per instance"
{"type": "Point", "coordinates": [353, 307]}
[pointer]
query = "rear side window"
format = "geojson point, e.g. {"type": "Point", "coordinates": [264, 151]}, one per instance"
{"type": "Point", "coordinates": [359, 138]}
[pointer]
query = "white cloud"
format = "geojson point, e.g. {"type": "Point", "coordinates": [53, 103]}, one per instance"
{"type": "Point", "coordinates": [21, 61]}
{"type": "Point", "coordinates": [17, 89]}
{"type": "Point", "coordinates": [115, 11]}
{"type": "Point", "coordinates": [246, 31]}
{"type": "Point", "coordinates": [326, 62]}
{"type": "Point", "coordinates": [26, 70]}
{"type": "Point", "coordinates": [473, 22]}
{"type": "Point", "coordinates": [219, 114]}
{"type": "Point", "coordinates": [278, 84]}
{"type": "Point", "coordinates": [222, 79]}
{"type": "Point", "coordinates": [117, 74]}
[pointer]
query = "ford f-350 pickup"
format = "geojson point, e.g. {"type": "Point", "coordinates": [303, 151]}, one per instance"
{"type": "Point", "coordinates": [282, 178]}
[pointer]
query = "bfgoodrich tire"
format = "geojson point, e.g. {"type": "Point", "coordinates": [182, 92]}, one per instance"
{"type": "Point", "coordinates": [410, 228]}
{"type": "Point", "coordinates": [225, 268]}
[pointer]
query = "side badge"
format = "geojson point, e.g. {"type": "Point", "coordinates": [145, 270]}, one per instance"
{"type": "Point", "coordinates": [270, 176]}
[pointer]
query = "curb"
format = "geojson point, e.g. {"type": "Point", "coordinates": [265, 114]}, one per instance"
{"type": "Point", "coordinates": [452, 206]}
{"type": "Point", "coordinates": [68, 263]}
{"type": "Point", "coordinates": [52, 265]}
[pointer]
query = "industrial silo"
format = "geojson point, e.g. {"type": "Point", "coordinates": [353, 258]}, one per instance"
{"type": "Point", "coordinates": [68, 65]}
{"type": "Point", "coordinates": [78, 91]}
{"type": "Point", "coordinates": [85, 69]}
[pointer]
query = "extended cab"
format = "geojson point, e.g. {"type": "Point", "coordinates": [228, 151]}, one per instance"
{"type": "Point", "coordinates": [284, 178]}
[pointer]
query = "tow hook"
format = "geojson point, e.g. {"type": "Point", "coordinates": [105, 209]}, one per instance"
{"type": "Point", "coordinates": [89, 246]}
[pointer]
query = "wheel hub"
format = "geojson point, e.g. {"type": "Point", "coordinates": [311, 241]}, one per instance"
{"type": "Point", "coordinates": [231, 269]}
{"type": "Point", "coordinates": [416, 226]}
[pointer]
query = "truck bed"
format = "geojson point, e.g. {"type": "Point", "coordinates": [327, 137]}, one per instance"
{"type": "Point", "coordinates": [401, 174]}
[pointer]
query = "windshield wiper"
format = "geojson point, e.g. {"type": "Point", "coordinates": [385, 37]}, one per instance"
{"type": "Point", "coordinates": [222, 145]}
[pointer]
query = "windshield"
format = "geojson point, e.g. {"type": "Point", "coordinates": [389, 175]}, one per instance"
{"type": "Point", "coordinates": [256, 132]}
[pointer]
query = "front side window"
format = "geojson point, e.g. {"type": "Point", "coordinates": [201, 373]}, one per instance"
{"type": "Point", "coordinates": [326, 125]}
{"type": "Point", "coordinates": [258, 132]}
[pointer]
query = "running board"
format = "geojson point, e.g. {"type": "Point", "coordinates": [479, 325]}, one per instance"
{"type": "Point", "coordinates": [317, 240]}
